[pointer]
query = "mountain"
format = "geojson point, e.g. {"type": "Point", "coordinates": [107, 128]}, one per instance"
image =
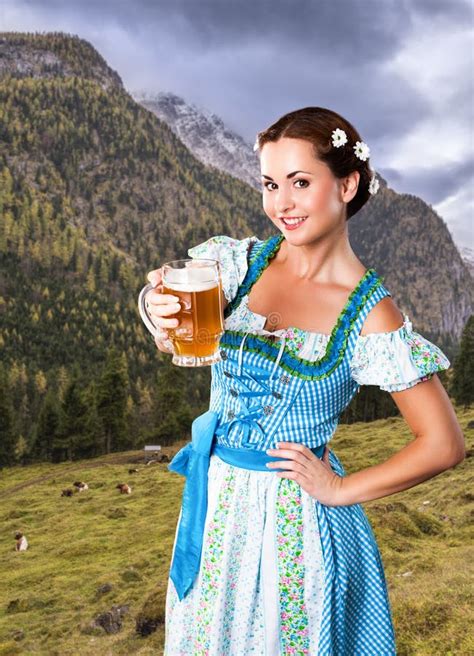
{"type": "Point", "coordinates": [205, 134]}
{"type": "Point", "coordinates": [414, 250]}
{"type": "Point", "coordinates": [468, 256]}
{"type": "Point", "coordinates": [96, 190]}
{"type": "Point", "coordinates": [54, 55]}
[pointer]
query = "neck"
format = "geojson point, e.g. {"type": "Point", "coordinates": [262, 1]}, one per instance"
{"type": "Point", "coordinates": [323, 260]}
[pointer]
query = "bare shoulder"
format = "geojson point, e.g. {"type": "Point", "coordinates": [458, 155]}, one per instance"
{"type": "Point", "coordinates": [383, 317]}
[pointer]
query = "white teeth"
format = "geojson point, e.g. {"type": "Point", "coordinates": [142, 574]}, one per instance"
{"type": "Point", "coordinates": [295, 220]}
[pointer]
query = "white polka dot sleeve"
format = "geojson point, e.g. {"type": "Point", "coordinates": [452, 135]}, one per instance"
{"type": "Point", "coordinates": [396, 360]}
{"type": "Point", "coordinates": [232, 254]}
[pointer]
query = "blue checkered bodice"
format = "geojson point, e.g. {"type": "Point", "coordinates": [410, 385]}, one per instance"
{"type": "Point", "coordinates": [264, 394]}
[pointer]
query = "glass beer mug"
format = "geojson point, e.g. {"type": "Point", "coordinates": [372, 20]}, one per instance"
{"type": "Point", "coordinates": [197, 283]}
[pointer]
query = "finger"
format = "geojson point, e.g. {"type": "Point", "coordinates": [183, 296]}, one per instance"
{"type": "Point", "coordinates": [154, 277]}
{"type": "Point", "coordinates": [164, 345]}
{"type": "Point", "coordinates": [164, 349]}
{"type": "Point", "coordinates": [155, 297]}
{"type": "Point", "coordinates": [164, 310]}
{"type": "Point", "coordinates": [157, 311]}
{"type": "Point", "coordinates": [290, 475]}
{"type": "Point", "coordinates": [295, 447]}
{"type": "Point", "coordinates": [166, 323]}
{"type": "Point", "coordinates": [295, 476]}
{"type": "Point", "coordinates": [291, 454]}
{"type": "Point", "coordinates": [287, 465]}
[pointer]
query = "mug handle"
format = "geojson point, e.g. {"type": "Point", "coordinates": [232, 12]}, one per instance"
{"type": "Point", "coordinates": [143, 311]}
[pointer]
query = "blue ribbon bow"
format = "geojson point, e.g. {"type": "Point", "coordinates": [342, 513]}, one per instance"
{"type": "Point", "coordinates": [192, 461]}
{"type": "Point", "coordinates": [247, 421]}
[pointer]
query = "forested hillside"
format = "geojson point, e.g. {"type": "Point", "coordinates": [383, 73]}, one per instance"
{"type": "Point", "coordinates": [94, 192]}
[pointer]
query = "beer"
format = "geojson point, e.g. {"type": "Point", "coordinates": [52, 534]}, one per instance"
{"type": "Point", "coordinates": [200, 318]}
{"type": "Point", "coordinates": [198, 285]}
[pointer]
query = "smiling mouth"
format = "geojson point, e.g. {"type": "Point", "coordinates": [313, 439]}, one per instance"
{"type": "Point", "coordinates": [293, 221]}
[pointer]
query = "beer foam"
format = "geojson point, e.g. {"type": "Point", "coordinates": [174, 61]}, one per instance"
{"type": "Point", "coordinates": [191, 279]}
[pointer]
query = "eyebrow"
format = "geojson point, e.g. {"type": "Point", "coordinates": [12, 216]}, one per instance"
{"type": "Point", "coordinates": [290, 175]}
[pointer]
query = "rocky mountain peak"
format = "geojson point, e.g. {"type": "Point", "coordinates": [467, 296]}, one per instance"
{"type": "Point", "coordinates": [52, 55]}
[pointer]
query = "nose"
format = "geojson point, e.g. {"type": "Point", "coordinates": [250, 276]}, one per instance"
{"type": "Point", "coordinates": [283, 201]}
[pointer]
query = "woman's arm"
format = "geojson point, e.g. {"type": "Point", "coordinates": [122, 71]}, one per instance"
{"type": "Point", "coordinates": [438, 442]}
{"type": "Point", "coordinates": [438, 445]}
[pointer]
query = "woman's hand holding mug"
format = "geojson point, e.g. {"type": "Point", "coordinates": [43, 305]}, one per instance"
{"type": "Point", "coordinates": [161, 306]}
{"type": "Point", "coordinates": [182, 308]}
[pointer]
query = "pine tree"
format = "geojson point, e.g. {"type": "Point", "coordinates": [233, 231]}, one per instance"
{"type": "Point", "coordinates": [74, 421]}
{"type": "Point", "coordinates": [173, 415]}
{"type": "Point", "coordinates": [7, 428]}
{"type": "Point", "coordinates": [462, 388]}
{"type": "Point", "coordinates": [112, 400]}
{"type": "Point", "coordinates": [21, 450]}
{"type": "Point", "coordinates": [94, 439]}
{"type": "Point", "coordinates": [47, 443]}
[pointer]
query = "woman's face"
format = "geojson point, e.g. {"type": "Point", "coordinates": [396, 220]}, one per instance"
{"type": "Point", "coordinates": [313, 192]}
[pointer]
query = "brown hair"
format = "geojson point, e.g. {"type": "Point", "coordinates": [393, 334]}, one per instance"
{"type": "Point", "coordinates": [316, 124]}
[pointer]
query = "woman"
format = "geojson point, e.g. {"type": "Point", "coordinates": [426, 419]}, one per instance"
{"type": "Point", "coordinates": [285, 560]}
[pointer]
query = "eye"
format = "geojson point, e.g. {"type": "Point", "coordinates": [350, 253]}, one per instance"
{"type": "Point", "coordinates": [298, 180]}
{"type": "Point", "coordinates": [301, 180]}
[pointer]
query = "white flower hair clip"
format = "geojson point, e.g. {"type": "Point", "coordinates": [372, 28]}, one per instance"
{"type": "Point", "coordinates": [339, 138]}
{"type": "Point", "coordinates": [361, 150]}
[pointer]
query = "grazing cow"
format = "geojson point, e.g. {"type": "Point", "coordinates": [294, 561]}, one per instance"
{"type": "Point", "coordinates": [21, 542]}
{"type": "Point", "coordinates": [124, 488]}
{"type": "Point", "coordinates": [67, 492]}
{"type": "Point", "coordinates": [132, 471]}
{"type": "Point", "coordinates": [80, 486]}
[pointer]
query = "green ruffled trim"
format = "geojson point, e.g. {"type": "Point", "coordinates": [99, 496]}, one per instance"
{"type": "Point", "coordinates": [295, 365]}
{"type": "Point", "coordinates": [337, 344]}
{"type": "Point", "coordinates": [255, 252]}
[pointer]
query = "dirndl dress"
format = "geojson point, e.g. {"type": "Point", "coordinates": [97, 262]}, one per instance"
{"type": "Point", "coordinates": [258, 565]}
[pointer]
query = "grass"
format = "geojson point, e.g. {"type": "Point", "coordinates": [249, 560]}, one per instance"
{"type": "Point", "coordinates": [49, 594]}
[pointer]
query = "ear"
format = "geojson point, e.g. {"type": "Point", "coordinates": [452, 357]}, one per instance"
{"type": "Point", "coordinates": [350, 185]}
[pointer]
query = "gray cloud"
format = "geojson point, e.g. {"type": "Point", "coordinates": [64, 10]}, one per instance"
{"type": "Point", "coordinates": [433, 184]}
{"type": "Point", "coordinates": [251, 62]}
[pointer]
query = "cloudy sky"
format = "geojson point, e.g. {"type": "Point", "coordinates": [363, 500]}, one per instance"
{"type": "Point", "coordinates": [400, 70]}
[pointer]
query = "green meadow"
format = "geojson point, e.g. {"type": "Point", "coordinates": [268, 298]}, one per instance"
{"type": "Point", "coordinates": [49, 595]}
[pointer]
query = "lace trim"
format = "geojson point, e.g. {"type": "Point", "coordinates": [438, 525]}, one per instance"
{"type": "Point", "coordinates": [263, 255]}
{"type": "Point", "coordinates": [336, 346]}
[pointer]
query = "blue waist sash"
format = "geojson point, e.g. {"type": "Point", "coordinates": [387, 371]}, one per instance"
{"type": "Point", "coordinates": [192, 461]}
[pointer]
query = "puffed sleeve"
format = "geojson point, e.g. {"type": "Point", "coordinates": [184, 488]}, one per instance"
{"type": "Point", "coordinates": [396, 360]}
{"type": "Point", "coordinates": [232, 254]}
